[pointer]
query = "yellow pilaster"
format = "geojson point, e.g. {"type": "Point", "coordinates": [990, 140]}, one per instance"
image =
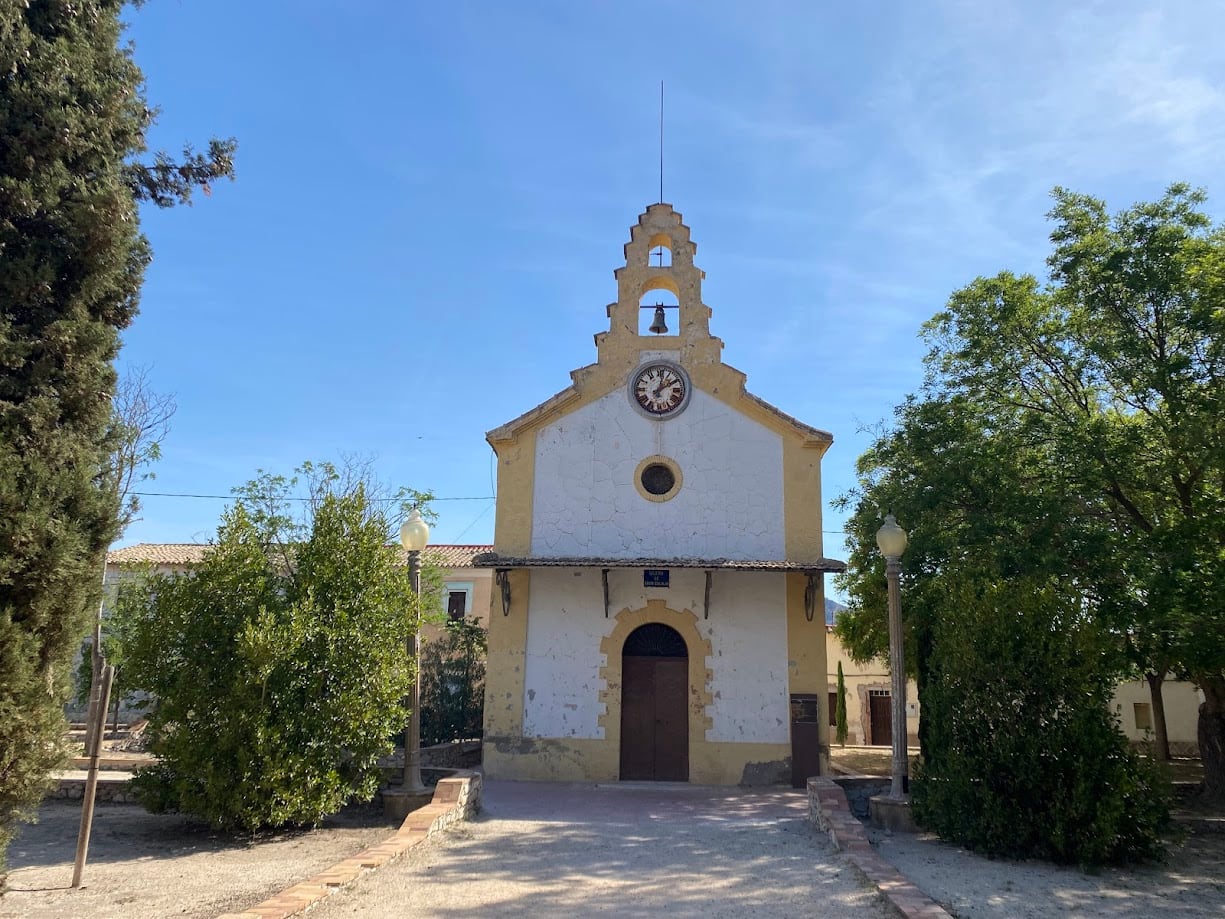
{"type": "Point", "coordinates": [505, 673]}
{"type": "Point", "coordinates": [806, 654]}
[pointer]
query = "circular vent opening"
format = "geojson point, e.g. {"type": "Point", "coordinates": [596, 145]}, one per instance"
{"type": "Point", "coordinates": [658, 479]}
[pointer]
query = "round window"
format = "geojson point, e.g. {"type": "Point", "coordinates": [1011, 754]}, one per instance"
{"type": "Point", "coordinates": [658, 479]}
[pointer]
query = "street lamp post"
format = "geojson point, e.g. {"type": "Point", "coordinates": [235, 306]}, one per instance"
{"type": "Point", "coordinates": [891, 539]}
{"type": "Point", "coordinates": [414, 535]}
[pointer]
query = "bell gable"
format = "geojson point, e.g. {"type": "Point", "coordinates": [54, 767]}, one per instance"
{"type": "Point", "coordinates": [657, 449]}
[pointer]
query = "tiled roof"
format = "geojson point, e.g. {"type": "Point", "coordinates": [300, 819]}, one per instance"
{"type": "Point", "coordinates": [454, 556]}
{"type": "Point", "coordinates": [158, 553]}
{"type": "Point", "coordinates": [444, 555]}
{"type": "Point", "coordinates": [493, 560]}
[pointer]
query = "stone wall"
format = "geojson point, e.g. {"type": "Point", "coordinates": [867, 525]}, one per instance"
{"type": "Point", "coordinates": [109, 790]}
{"type": "Point", "coordinates": [456, 755]}
{"type": "Point", "coordinates": [859, 788]}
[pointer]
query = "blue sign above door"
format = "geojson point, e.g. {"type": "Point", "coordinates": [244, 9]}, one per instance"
{"type": "Point", "coordinates": [655, 577]}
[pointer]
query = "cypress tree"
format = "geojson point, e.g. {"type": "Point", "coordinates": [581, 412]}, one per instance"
{"type": "Point", "coordinates": [73, 118]}
{"type": "Point", "coordinates": [840, 726]}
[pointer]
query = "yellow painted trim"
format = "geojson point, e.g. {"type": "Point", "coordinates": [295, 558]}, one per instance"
{"type": "Point", "coordinates": [726, 763]}
{"type": "Point", "coordinates": [659, 282]}
{"type": "Point", "coordinates": [802, 454]}
{"type": "Point", "coordinates": [619, 357]}
{"type": "Point", "coordinates": [620, 347]}
{"type": "Point", "coordinates": [801, 500]}
{"type": "Point", "coordinates": [572, 760]}
{"type": "Point", "coordinates": [507, 660]}
{"type": "Point", "coordinates": [660, 239]}
{"type": "Point", "coordinates": [659, 460]}
{"type": "Point", "coordinates": [516, 487]}
{"type": "Point", "coordinates": [700, 676]}
{"type": "Point", "coordinates": [807, 657]}
{"type": "Point", "coordinates": [510, 755]}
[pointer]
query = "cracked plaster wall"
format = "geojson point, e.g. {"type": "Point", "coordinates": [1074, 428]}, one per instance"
{"type": "Point", "coordinates": [747, 631]}
{"type": "Point", "coordinates": [730, 505]}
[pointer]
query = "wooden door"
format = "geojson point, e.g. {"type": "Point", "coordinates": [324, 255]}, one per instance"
{"type": "Point", "coordinates": [654, 719]}
{"type": "Point", "coordinates": [671, 719]}
{"type": "Point", "coordinates": [881, 712]}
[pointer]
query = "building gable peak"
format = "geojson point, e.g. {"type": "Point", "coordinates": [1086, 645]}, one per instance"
{"type": "Point", "coordinates": [659, 261]}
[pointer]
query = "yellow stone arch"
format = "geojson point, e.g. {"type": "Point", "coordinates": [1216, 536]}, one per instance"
{"type": "Point", "coordinates": [700, 676]}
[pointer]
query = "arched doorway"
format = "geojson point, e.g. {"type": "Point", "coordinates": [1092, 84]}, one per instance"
{"type": "Point", "coordinates": [654, 705]}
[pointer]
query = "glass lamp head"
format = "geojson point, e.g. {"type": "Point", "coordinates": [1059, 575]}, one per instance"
{"type": "Point", "coordinates": [891, 538]}
{"type": "Point", "coordinates": [414, 532]}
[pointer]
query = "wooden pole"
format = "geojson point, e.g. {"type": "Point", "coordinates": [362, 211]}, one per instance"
{"type": "Point", "coordinates": [99, 702]}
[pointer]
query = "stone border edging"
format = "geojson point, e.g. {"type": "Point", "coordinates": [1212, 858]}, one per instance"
{"type": "Point", "coordinates": [455, 798]}
{"type": "Point", "coordinates": [829, 810]}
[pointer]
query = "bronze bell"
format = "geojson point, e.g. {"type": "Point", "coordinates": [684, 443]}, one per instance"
{"type": "Point", "coordinates": [658, 326]}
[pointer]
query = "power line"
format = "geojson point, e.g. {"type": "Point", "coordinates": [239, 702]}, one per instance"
{"type": "Point", "coordinates": [476, 520]}
{"type": "Point", "coordinates": [177, 494]}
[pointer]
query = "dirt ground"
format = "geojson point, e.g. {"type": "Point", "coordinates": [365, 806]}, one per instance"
{"type": "Point", "coordinates": [144, 865]}
{"type": "Point", "coordinates": [865, 760]}
{"type": "Point", "coordinates": [1191, 885]}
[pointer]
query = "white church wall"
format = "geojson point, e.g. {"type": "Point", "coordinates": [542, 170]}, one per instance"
{"type": "Point", "coordinates": [748, 634]}
{"type": "Point", "coordinates": [585, 502]}
{"type": "Point", "coordinates": [561, 667]}
{"type": "Point", "coordinates": [746, 629]}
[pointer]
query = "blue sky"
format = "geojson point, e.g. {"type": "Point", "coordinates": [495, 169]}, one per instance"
{"type": "Point", "coordinates": [432, 197]}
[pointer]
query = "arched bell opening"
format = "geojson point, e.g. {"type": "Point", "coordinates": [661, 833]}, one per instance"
{"type": "Point", "coordinates": [660, 251]}
{"type": "Point", "coordinates": [658, 312]}
{"type": "Point", "coordinates": [654, 705]}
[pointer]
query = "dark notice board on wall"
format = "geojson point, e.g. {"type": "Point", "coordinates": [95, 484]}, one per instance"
{"type": "Point", "coordinates": [655, 577]}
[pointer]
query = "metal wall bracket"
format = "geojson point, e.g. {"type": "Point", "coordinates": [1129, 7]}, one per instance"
{"type": "Point", "coordinates": [604, 579]}
{"type": "Point", "coordinates": [706, 602]}
{"type": "Point", "coordinates": [502, 576]}
{"type": "Point", "coordinates": [810, 596]}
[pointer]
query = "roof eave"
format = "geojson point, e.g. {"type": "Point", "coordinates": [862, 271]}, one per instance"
{"type": "Point", "coordinates": [494, 560]}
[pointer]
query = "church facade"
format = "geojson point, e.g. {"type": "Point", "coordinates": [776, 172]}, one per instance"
{"type": "Point", "coordinates": [658, 608]}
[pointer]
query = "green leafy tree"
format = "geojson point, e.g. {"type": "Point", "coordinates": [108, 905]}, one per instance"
{"type": "Point", "coordinates": [279, 664]}
{"type": "Point", "coordinates": [114, 640]}
{"type": "Point", "coordinates": [1031, 761]}
{"type": "Point", "coordinates": [1068, 434]}
{"type": "Point", "coordinates": [1117, 368]}
{"type": "Point", "coordinates": [73, 119]}
{"type": "Point", "coordinates": [840, 726]}
{"type": "Point", "coordinates": [453, 683]}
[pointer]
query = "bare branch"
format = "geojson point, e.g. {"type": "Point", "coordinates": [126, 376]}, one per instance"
{"type": "Point", "coordinates": [140, 420]}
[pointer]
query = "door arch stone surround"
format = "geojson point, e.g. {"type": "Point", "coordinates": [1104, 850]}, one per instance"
{"type": "Point", "coordinates": [700, 700]}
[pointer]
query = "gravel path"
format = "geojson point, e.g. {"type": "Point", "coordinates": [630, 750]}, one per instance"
{"type": "Point", "coordinates": [578, 850]}
{"type": "Point", "coordinates": [1191, 885]}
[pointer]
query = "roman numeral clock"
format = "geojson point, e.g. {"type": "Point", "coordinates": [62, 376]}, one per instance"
{"type": "Point", "coordinates": [660, 389]}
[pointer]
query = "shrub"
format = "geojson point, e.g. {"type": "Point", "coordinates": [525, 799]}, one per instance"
{"type": "Point", "coordinates": [278, 665]}
{"type": "Point", "coordinates": [453, 683]}
{"type": "Point", "coordinates": [1023, 758]}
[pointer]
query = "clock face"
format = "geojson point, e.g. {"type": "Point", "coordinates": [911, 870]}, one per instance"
{"type": "Point", "coordinates": [660, 389]}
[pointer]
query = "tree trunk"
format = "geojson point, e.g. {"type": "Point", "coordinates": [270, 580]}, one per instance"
{"type": "Point", "coordinates": [1212, 736]}
{"type": "Point", "coordinates": [1162, 743]}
